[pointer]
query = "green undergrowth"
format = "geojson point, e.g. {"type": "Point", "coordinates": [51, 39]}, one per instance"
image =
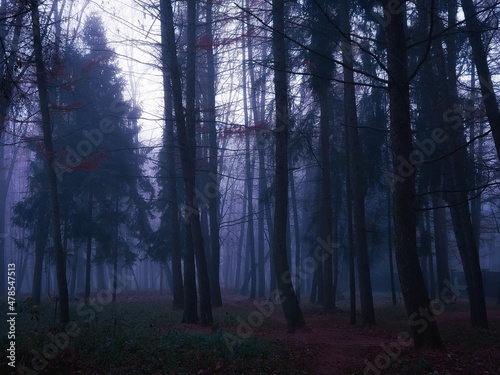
{"type": "Point", "coordinates": [144, 338]}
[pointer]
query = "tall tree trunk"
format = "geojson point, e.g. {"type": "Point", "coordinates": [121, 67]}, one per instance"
{"type": "Point", "coordinates": [213, 198]}
{"type": "Point", "coordinates": [458, 199]}
{"type": "Point", "coordinates": [258, 117]}
{"type": "Point", "coordinates": [350, 239]}
{"type": "Point", "coordinates": [290, 304]}
{"type": "Point", "coordinates": [41, 79]}
{"type": "Point", "coordinates": [250, 261]}
{"type": "Point", "coordinates": [169, 143]}
{"type": "Point", "coordinates": [187, 145]}
{"type": "Point", "coordinates": [296, 232]}
{"type": "Point", "coordinates": [410, 274]}
{"type": "Point", "coordinates": [325, 200]}
{"type": "Point", "coordinates": [357, 173]}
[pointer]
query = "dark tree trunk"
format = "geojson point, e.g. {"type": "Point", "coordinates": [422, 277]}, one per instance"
{"type": "Point", "coordinates": [40, 244]}
{"type": "Point", "coordinates": [296, 232]}
{"type": "Point", "coordinates": [290, 304]}
{"type": "Point", "coordinates": [169, 143]}
{"type": "Point", "coordinates": [325, 199]}
{"type": "Point", "coordinates": [88, 258]}
{"type": "Point", "coordinates": [356, 174]}
{"type": "Point", "coordinates": [190, 299]}
{"type": "Point", "coordinates": [250, 264]}
{"type": "Point", "coordinates": [41, 79]}
{"type": "Point", "coordinates": [389, 246]}
{"type": "Point", "coordinates": [258, 116]}
{"type": "Point", "coordinates": [458, 199]}
{"type": "Point", "coordinates": [441, 245]}
{"type": "Point", "coordinates": [187, 144]}
{"type": "Point", "coordinates": [413, 287]}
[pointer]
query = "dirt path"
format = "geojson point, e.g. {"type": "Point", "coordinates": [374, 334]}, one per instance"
{"type": "Point", "coordinates": [331, 346]}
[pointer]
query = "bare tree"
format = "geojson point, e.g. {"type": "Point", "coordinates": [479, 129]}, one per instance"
{"type": "Point", "coordinates": [291, 307]}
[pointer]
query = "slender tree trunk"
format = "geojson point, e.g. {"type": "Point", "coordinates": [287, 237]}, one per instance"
{"type": "Point", "coordinates": [237, 279]}
{"type": "Point", "coordinates": [190, 299]}
{"type": "Point", "coordinates": [290, 304]}
{"type": "Point", "coordinates": [459, 202]}
{"type": "Point", "coordinates": [356, 175]}
{"type": "Point", "coordinates": [60, 257]}
{"type": "Point", "coordinates": [40, 244]}
{"type": "Point", "coordinates": [213, 198]}
{"type": "Point", "coordinates": [258, 117]}
{"type": "Point", "coordinates": [250, 261]}
{"type": "Point", "coordinates": [173, 209]}
{"type": "Point", "coordinates": [441, 244]}
{"type": "Point", "coordinates": [325, 199]}
{"type": "Point", "coordinates": [410, 274]}
{"type": "Point", "coordinates": [116, 250]}
{"type": "Point", "coordinates": [389, 241]}
{"type": "Point", "coordinates": [74, 268]}
{"type": "Point", "coordinates": [88, 258]}
{"type": "Point", "coordinates": [296, 232]}
{"type": "Point", "coordinates": [187, 145]}
{"type": "Point", "coordinates": [350, 239]}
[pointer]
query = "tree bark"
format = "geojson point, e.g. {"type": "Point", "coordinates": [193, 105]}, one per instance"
{"type": "Point", "coordinates": [213, 198]}
{"type": "Point", "coordinates": [169, 143]}
{"type": "Point", "coordinates": [356, 174]}
{"type": "Point", "coordinates": [458, 199]}
{"type": "Point", "coordinates": [413, 287]}
{"type": "Point", "coordinates": [187, 145]}
{"type": "Point", "coordinates": [88, 260]}
{"type": "Point", "coordinates": [41, 79]}
{"type": "Point", "coordinates": [290, 304]}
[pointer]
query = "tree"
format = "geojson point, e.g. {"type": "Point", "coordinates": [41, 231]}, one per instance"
{"type": "Point", "coordinates": [412, 282]}
{"type": "Point", "coordinates": [43, 94]}
{"type": "Point", "coordinates": [168, 183]}
{"type": "Point", "coordinates": [185, 126]}
{"type": "Point", "coordinates": [356, 172]}
{"type": "Point", "coordinates": [291, 307]}
{"type": "Point", "coordinates": [321, 40]}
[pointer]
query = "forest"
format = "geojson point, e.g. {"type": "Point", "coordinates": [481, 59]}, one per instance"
{"type": "Point", "coordinates": [250, 187]}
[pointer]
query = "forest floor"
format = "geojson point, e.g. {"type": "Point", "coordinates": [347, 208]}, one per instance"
{"type": "Point", "coordinates": [140, 334]}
